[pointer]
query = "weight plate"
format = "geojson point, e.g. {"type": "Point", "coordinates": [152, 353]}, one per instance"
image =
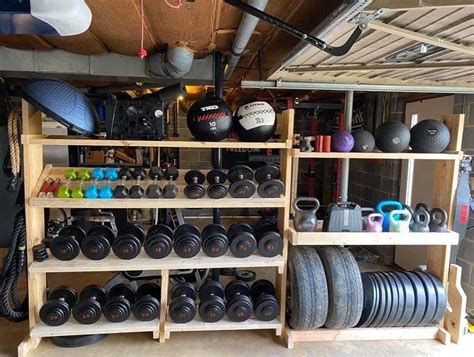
{"type": "Point", "coordinates": [76, 341]}
{"type": "Point", "coordinates": [211, 287]}
{"type": "Point", "coordinates": [441, 299]}
{"type": "Point", "coordinates": [64, 247]}
{"type": "Point", "coordinates": [123, 290]}
{"type": "Point", "coordinates": [240, 172]}
{"type": "Point", "coordinates": [55, 313]}
{"type": "Point", "coordinates": [388, 306]}
{"type": "Point", "coordinates": [394, 305]}
{"type": "Point", "coordinates": [87, 312]}
{"type": "Point", "coordinates": [150, 289]}
{"type": "Point", "coordinates": [420, 298]}
{"type": "Point", "coordinates": [270, 245]}
{"type": "Point", "coordinates": [160, 228]}
{"type": "Point", "coordinates": [65, 293]}
{"type": "Point", "coordinates": [126, 246]}
{"type": "Point", "coordinates": [431, 299]}
{"type": "Point", "coordinates": [147, 308]}
{"type": "Point", "coordinates": [117, 309]}
{"type": "Point", "coordinates": [409, 303]}
{"type": "Point", "coordinates": [187, 228]}
{"type": "Point", "coordinates": [73, 231]}
{"type": "Point", "coordinates": [101, 230]}
{"type": "Point", "coordinates": [213, 174]}
{"type": "Point", "coordinates": [212, 309]}
{"type": "Point", "coordinates": [95, 292]}
{"type": "Point", "coordinates": [261, 287]}
{"type": "Point", "coordinates": [382, 300]}
{"type": "Point", "coordinates": [134, 230]}
{"type": "Point", "coordinates": [271, 189]}
{"type": "Point", "coordinates": [370, 300]}
{"type": "Point", "coordinates": [245, 275]}
{"type": "Point", "coordinates": [192, 175]}
{"type": "Point", "coordinates": [243, 245]}
{"type": "Point", "coordinates": [242, 189]}
{"type": "Point", "coordinates": [95, 247]}
{"type": "Point", "coordinates": [236, 287]}
{"type": "Point", "coordinates": [401, 298]}
{"type": "Point", "coordinates": [264, 226]}
{"type": "Point", "coordinates": [237, 228]}
{"type": "Point", "coordinates": [267, 172]}
{"type": "Point", "coordinates": [213, 228]}
{"type": "Point", "coordinates": [184, 289]}
{"type": "Point", "coordinates": [239, 308]}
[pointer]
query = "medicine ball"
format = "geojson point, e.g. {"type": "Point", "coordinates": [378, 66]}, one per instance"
{"type": "Point", "coordinates": [364, 141]}
{"type": "Point", "coordinates": [255, 121]}
{"type": "Point", "coordinates": [392, 136]}
{"type": "Point", "coordinates": [342, 141]}
{"type": "Point", "coordinates": [429, 135]}
{"type": "Point", "coordinates": [210, 119]}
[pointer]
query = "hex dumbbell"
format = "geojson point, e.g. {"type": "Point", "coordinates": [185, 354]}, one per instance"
{"type": "Point", "coordinates": [270, 185]}
{"type": "Point", "coordinates": [214, 240]}
{"type": "Point", "coordinates": [154, 189]}
{"type": "Point", "coordinates": [67, 244]}
{"type": "Point", "coordinates": [269, 241]}
{"type": "Point", "coordinates": [194, 188]}
{"type": "Point", "coordinates": [57, 309]}
{"type": "Point", "coordinates": [265, 303]}
{"type": "Point", "coordinates": [119, 306]}
{"type": "Point", "coordinates": [187, 241]}
{"type": "Point", "coordinates": [147, 302]}
{"type": "Point", "coordinates": [182, 308]}
{"type": "Point", "coordinates": [239, 305]}
{"type": "Point", "coordinates": [241, 184]}
{"type": "Point", "coordinates": [121, 191]}
{"type": "Point", "coordinates": [171, 190]}
{"type": "Point", "coordinates": [159, 241]}
{"type": "Point", "coordinates": [137, 191]}
{"type": "Point", "coordinates": [128, 243]}
{"type": "Point", "coordinates": [96, 245]}
{"type": "Point", "coordinates": [88, 309]}
{"type": "Point", "coordinates": [216, 188]}
{"type": "Point", "coordinates": [211, 301]}
{"type": "Point", "coordinates": [241, 239]}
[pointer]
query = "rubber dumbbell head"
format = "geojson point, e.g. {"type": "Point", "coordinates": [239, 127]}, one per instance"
{"type": "Point", "coordinates": [98, 174]}
{"type": "Point", "coordinates": [214, 240]}
{"type": "Point", "coordinates": [128, 243]}
{"type": "Point", "coordinates": [194, 188]}
{"type": "Point", "coordinates": [121, 191]}
{"type": "Point", "coordinates": [119, 306]}
{"type": "Point", "coordinates": [266, 305]}
{"type": "Point", "coordinates": [111, 174]}
{"type": "Point", "coordinates": [239, 305]}
{"type": "Point", "coordinates": [96, 245]}
{"type": "Point", "coordinates": [242, 240]}
{"type": "Point", "coordinates": [171, 190]}
{"type": "Point", "coordinates": [241, 184]}
{"type": "Point", "coordinates": [125, 173]}
{"type": "Point", "coordinates": [270, 185]}
{"type": "Point", "coordinates": [159, 241]}
{"type": "Point", "coordinates": [211, 301]}
{"type": "Point", "coordinates": [92, 191]}
{"type": "Point", "coordinates": [138, 173]}
{"type": "Point", "coordinates": [147, 302]}
{"type": "Point", "coordinates": [216, 188]}
{"type": "Point", "coordinates": [269, 241]}
{"type": "Point", "coordinates": [137, 191]}
{"type": "Point", "coordinates": [88, 309]}
{"type": "Point", "coordinates": [66, 245]}
{"type": "Point", "coordinates": [182, 308]}
{"type": "Point", "coordinates": [156, 173]}
{"type": "Point", "coordinates": [187, 241]}
{"type": "Point", "coordinates": [57, 309]}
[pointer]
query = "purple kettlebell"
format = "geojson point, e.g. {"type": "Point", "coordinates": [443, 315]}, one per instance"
{"type": "Point", "coordinates": [375, 222]}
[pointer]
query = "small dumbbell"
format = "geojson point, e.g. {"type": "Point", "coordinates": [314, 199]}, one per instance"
{"type": "Point", "coordinates": [211, 301]}
{"type": "Point", "coordinates": [187, 241]}
{"type": "Point", "coordinates": [98, 174]}
{"type": "Point", "coordinates": [78, 191]}
{"type": "Point", "coordinates": [171, 190]}
{"type": "Point", "coordinates": [265, 303]}
{"type": "Point", "coordinates": [194, 188]}
{"type": "Point", "coordinates": [88, 309]}
{"type": "Point", "coordinates": [119, 306]}
{"type": "Point", "coordinates": [147, 302]}
{"type": "Point", "coordinates": [216, 188]}
{"type": "Point", "coordinates": [67, 244]}
{"type": "Point", "coordinates": [154, 190]}
{"type": "Point", "coordinates": [71, 174]}
{"type": "Point", "coordinates": [64, 191]}
{"type": "Point", "coordinates": [214, 240]}
{"type": "Point", "coordinates": [159, 241]}
{"type": "Point", "coordinates": [239, 305]}
{"type": "Point", "coordinates": [96, 245]}
{"type": "Point", "coordinates": [128, 243]}
{"type": "Point", "coordinates": [242, 241]}
{"type": "Point", "coordinates": [182, 308]}
{"type": "Point", "coordinates": [92, 191]}
{"type": "Point", "coordinates": [241, 184]}
{"type": "Point", "coordinates": [270, 185]}
{"type": "Point", "coordinates": [106, 191]}
{"type": "Point", "coordinates": [57, 309]}
{"type": "Point", "coordinates": [111, 174]}
{"type": "Point", "coordinates": [84, 174]}
{"type": "Point", "coordinates": [137, 191]}
{"type": "Point", "coordinates": [269, 241]}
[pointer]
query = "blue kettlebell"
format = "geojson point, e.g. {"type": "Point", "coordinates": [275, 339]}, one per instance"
{"type": "Point", "coordinates": [111, 174]}
{"type": "Point", "coordinates": [384, 207]}
{"type": "Point", "coordinates": [97, 173]}
{"type": "Point", "coordinates": [91, 191]}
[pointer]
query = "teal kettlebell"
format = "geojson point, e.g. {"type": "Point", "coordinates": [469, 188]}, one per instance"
{"type": "Point", "coordinates": [399, 221]}
{"type": "Point", "coordinates": [384, 207]}
{"type": "Point", "coordinates": [91, 191]}
{"type": "Point", "coordinates": [420, 221]}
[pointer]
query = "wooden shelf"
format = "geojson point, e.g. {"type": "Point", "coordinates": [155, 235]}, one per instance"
{"type": "Point", "coordinates": [448, 155]}
{"type": "Point", "coordinates": [72, 328]}
{"type": "Point", "coordinates": [64, 140]}
{"type": "Point", "coordinates": [369, 238]}
{"type": "Point", "coordinates": [144, 262]}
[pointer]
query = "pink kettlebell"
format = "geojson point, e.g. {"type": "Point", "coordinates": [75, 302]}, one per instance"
{"type": "Point", "coordinates": [375, 222]}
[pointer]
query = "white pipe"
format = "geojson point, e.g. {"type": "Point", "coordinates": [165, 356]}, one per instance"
{"type": "Point", "coordinates": [345, 162]}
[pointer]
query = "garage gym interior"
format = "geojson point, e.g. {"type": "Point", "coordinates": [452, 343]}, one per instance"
{"type": "Point", "coordinates": [236, 177]}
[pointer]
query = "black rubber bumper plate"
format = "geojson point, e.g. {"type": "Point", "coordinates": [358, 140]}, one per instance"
{"type": "Point", "coordinates": [441, 299]}
{"type": "Point", "coordinates": [431, 299]}
{"type": "Point", "coordinates": [371, 300]}
{"type": "Point", "coordinates": [420, 299]}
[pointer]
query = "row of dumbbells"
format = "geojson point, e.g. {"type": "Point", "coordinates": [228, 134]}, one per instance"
{"type": "Point", "coordinates": [237, 300]}
{"type": "Point", "coordinates": [94, 301]}
{"type": "Point", "coordinates": [187, 241]}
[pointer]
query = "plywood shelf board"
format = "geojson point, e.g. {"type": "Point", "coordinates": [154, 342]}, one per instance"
{"type": "Point", "coordinates": [449, 155]}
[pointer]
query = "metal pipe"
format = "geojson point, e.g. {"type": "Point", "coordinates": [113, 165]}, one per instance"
{"type": "Point", "coordinates": [218, 92]}
{"type": "Point", "coordinates": [242, 37]}
{"type": "Point", "coordinates": [345, 162]}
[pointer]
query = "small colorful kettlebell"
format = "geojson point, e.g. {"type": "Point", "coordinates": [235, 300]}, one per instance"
{"type": "Point", "coordinates": [375, 222]}
{"type": "Point", "coordinates": [399, 221]}
{"type": "Point", "coordinates": [384, 207]}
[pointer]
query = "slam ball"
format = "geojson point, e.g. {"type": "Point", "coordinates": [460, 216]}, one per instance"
{"type": "Point", "coordinates": [342, 141]}
{"type": "Point", "coordinates": [392, 136]}
{"type": "Point", "coordinates": [364, 141]}
{"type": "Point", "coordinates": [210, 119]}
{"type": "Point", "coordinates": [255, 121]}
{"type": "Point", "coordinates": [429, 135]}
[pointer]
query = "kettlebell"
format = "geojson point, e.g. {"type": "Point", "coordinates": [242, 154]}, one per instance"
{"type": "Point", "coordinates": [399, 220]}
{"type": "Point", "coordinates": [305, 216]}
{"type": "Point", "coordinates": [382, 209]}
{"type": "Point", "coordinates": [375, 222]}
{"type": "Point", "coordinates": [420, 221]}
{"type": "Point", "coordinates": [439, 219]}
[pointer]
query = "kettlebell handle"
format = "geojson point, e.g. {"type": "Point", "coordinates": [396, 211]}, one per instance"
{"type": "Point", "coordinates": [388, 203]}
{"type": "Point", "coordinates": [444, 216]}
{"type": "Point", "coordinates": [314, 200]}
{"type": "Point", "coordinates": [421, 213]}
{"type": "Point", "coordinates": [422, 206]}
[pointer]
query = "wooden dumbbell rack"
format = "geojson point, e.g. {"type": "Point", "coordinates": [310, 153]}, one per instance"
{"type": "Point", "coordinates": [35, 172]}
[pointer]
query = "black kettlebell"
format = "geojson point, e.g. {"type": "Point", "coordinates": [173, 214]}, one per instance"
{"type": "Point", "coordinates": [438, 220]}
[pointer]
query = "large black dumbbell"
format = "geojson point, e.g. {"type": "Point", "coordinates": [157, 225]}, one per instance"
{"type": "Point", "coordinates": [182, 308]}
{"type": "Point", "coordinates": [159, 241]}
{"type": "Point", "coordinates": [265, 303]}
{"type": "Point", "coordinates": [239, 305]}
{"type": "Point", "coordinates": [67, 244]}
{"type": "Point", "coordinates": [147, 302]}
{"type": "Point", "coordinates": [211, 301]}
{"type": "Point", "coordinates": [57, 310]}
{"type": "Point", "coordinates": [119, 306]}
{"type": "Point", "coordinates": [154, 189]}
{"type": "Point", "coordinates": [194, 188]}
{"type": "Point", "coordinates": [171, 190]}
{"type": "Point", "coordinates": [137, 191]}
{"type": "Point", "coordinates": [96, 245]}
{"type": "Point", "coordinates": [216, 188]}
{"type": "Point", "coordinates": [241, 184]}
{"type": "Point", "coordinates": [121, 191]}
{"type": "Point", "coordinates": [269, 241]}
{"type": "Point", "coordinates": [128, 243]}
{"type": "Point", "coordinates": [214, 240]}
{"type": "Point", "coordinates": [187, 241]}
{"type": "Point", "coordinates": [88, 309]}
{"type": "Point", "coordinates": [270, 185]}
{"type": "Point", "coordinates": [242, 240]}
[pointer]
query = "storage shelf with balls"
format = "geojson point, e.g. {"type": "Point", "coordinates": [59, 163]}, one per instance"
{"type": "Point", "coordinates": [378, 155]}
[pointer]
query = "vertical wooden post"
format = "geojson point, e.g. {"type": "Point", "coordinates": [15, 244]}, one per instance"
{"type": "Point", "coordinates": [165, 278]}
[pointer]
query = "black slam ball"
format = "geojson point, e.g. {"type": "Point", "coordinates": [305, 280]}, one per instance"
{"type": "Point", "coordinates": [429, 135]}
{"type": "Point", "coordinates": [392, 136]}
{"type": "Point", "coordinates": [364, 141]}
{"type": "Point", "coordinates": [210, 119]}
{"type": "Point", "coordinates": [255, 121]}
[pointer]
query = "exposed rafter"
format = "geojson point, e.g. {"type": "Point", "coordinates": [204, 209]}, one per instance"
{"type": "Point", "coordinates": [416, 4]}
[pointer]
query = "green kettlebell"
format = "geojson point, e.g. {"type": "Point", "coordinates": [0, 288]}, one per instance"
{"type": "Point", "coordinates": [399, 220]}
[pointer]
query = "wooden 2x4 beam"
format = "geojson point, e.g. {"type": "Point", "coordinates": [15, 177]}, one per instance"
{"type": "Point", "coordinates": [417, 4]}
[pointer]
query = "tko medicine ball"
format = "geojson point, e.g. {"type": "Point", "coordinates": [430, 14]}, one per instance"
{"type": "Point", "coordinates": [255, 121]}
{"type": "Point", "coordinates": [364, 141]}
{"type": "Point", "coordinates": [392, 136]}
{"type": "Point", "coordinates": [342, 141]}
{"type": "Point", "coordinates": [210, 119]}
{"type": "Point", "coordinates": [429, 136]}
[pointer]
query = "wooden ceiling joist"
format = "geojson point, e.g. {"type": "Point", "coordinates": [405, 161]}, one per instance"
{"type": "Point", "coordinates": [416, 4]}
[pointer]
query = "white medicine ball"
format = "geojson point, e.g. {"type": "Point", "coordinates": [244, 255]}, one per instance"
{"type": "Point", "coordinates": [255, 121]}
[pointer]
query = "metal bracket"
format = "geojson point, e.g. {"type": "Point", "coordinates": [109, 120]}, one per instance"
{"type": "Point", "coordinates": [362, 20]}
